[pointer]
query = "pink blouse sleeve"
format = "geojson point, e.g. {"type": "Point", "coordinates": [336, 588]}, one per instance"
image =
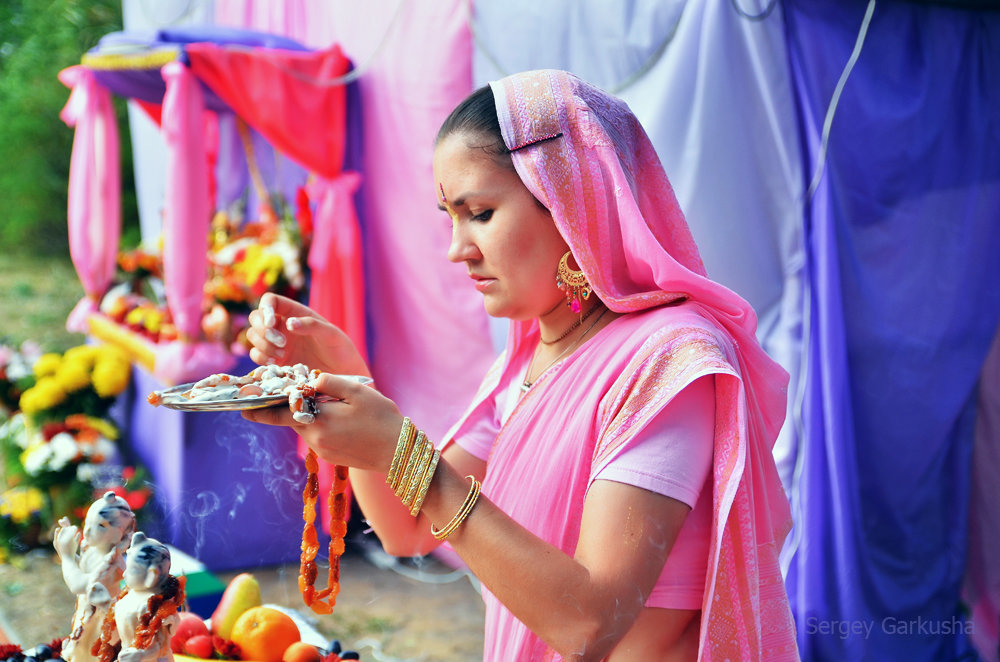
{"type": "Point", "coordinates": [672, 455]}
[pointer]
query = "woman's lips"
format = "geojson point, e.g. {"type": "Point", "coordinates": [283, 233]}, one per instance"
{"type": "Point", "coordinates": [483, 283]}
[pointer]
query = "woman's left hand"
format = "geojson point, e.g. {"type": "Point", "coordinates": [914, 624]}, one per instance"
{"type": "Point", "coordinates": [359, 428]}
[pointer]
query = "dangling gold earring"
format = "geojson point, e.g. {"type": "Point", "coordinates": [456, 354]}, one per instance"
{"type": "Point", "coordinates": [574, 283]}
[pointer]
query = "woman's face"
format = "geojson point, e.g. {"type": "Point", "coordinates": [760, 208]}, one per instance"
{"type": "Point", "coordinates": [508, 242]}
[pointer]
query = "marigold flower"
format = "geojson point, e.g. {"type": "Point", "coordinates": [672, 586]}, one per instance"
{"type": "Point", "coordinates": [110, 378]}
{"type": "Point", "coordinates": [73, 375]}
{"type": "Point", "coordinates": [20, 503]}
{"type": "Point", "coordinates": [47, 365]}
{"type": "Point", "coordinates": [45, 394]}
{"type": "Point", "coordinates": [85, 355]}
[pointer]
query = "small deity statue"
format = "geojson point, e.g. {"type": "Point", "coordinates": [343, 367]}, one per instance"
{"type": "Point", "coordinates": [93, 570]}
{"type": "Point", "coordinates": [144, 616]}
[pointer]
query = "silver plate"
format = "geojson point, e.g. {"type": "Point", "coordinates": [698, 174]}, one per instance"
{"type": "Point", "coordinates": [239, 404]}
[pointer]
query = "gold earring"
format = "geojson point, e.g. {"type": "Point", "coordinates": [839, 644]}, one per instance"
{"type": "Point", "coordinates": [574, 283]}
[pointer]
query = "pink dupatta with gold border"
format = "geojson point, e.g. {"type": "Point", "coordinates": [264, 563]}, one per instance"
{"type": "Point", "coordinates": [583, 154]}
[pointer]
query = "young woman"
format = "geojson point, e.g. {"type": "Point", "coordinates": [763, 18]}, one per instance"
{"type": "Point", "coordinates": [629, 508]}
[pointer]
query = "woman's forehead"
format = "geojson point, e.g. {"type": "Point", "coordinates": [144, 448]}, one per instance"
{"type": "Point", "coordinates": [462, 169]}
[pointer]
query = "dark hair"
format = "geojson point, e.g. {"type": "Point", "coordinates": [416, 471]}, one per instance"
{"type": "Point", "coordinates": [476, 117]}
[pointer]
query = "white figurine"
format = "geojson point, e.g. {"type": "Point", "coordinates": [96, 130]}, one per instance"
{"type": "Point", "coordinates": [93, 570]}
{"type": "Point", "coordinates": [151, 595]}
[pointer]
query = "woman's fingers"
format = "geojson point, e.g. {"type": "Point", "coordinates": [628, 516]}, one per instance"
{"type": "Point", "coordinates": [279, 415]}
{"type": "Point", "coordinates": [336, 387]}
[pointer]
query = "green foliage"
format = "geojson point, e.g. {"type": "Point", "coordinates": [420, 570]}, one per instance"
{"type": "Point", "coordinates": [38, 38]}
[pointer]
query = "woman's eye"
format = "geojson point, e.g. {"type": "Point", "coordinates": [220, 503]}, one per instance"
{"type": "Point", "coordinates": [482, 217]}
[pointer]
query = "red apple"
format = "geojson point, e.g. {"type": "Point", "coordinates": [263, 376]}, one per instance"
{"type": "Point", "coordinates": [199, 645]}
{"type": "Point", "coordinates": [190, 625]}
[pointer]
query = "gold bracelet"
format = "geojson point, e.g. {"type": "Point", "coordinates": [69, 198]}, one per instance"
{"type": "Point", "coordinates": [411, 464]}
{"type": "Point", "coordinates": [425, 451]}
{"type": "Point", "coordinates": [407, 433]}
{"type": "Point", "coordinates": [425, 484]}
{"type": "Point", "coordinates": [456, 521]}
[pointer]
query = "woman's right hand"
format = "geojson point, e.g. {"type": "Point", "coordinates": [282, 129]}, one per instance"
{"type": "Point", "coordinates": [285, 332]}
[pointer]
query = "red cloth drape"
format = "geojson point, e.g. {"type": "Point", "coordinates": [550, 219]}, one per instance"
{"type": "Point", "coordinates": [284, 95]}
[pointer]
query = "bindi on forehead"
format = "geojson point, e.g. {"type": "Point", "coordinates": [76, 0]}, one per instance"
{"type": "Point", "coordinates": [445, 205]}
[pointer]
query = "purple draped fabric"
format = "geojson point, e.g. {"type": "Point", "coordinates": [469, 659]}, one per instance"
{"type": "Point", "coordinates": [903, 244]}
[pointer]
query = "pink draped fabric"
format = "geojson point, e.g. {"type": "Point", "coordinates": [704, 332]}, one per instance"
{"type": "Point", "coordinates": [94, 195]}
{"type": "Point", "coordinates": [337, 289]}
{"type": "Point", "coordinates": [584, 155]}
{"type": "Point", "coordinates": [187, 215]}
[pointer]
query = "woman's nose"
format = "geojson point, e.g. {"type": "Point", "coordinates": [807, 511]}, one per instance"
{"type": "Point", "coordinates": [462, 248]}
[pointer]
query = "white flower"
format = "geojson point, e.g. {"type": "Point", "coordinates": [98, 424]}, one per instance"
{"type": "Point", "coordinates": [86, 472]}
{"type": "Point", "coordinates": [36, 458]}
{"type": "Point", "coordinates": [64, 450]}
{"type": "Point", "coordinates": [104, 448]}
{"type": "Point", "coordinates": [14, 429]}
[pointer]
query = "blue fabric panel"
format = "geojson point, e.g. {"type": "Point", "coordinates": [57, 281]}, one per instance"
{"type": "Point", "coordinates": [903, 240]}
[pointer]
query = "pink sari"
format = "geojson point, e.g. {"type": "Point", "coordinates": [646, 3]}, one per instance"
{"type": "Point", "coordinates": [584, 156]}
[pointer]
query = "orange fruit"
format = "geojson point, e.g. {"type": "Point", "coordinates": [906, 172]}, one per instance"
{"type": "Point", "coordinates": [300, 651]}
{"type": "Point", "coordinates": [263, 634]}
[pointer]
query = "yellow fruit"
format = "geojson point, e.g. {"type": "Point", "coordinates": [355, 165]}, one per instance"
{"type": "Point", "coordinates": [300, 651]}
{"type": "Point", "coordinates": [263, 634]}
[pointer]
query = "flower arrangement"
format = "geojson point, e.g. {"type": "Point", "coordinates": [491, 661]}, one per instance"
{"type": "Point", "coordinates": [250, 258]}
{"type": "Point", "coordinates": [84, 380]}
{"type": "Point", "coordinates": [58, 448]}
{"type": "Point", "coordinates": [246, 259]}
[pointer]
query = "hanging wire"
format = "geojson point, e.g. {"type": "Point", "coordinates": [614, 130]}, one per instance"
{"type": "Point", "coordinates": [759, 16]}
{"type": "Point", "coordinates": [616, 89]}
{"type": "Point", "coordinates": [832, 108]}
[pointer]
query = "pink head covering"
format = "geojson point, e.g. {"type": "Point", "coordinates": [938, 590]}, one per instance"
{"type": "Point", "coordinates": [585, 156]}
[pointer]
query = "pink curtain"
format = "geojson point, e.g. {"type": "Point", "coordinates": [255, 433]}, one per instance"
{"type": "Point", "coordinates": [94, 195]}
{"type": "Point", "coordinates": [186, 218]}
{"type": "Point", "coordinates": [335, 258]}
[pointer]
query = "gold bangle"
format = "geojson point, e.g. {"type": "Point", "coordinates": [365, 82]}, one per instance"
{"type": "Point", "coordinates": [425, 484]}
{"type": "Point", "coordinates": [411, 464]}
{"type": "Point", "coordinates": [425, 451]}
{"type": "Point", "coordinates": [407, 434]}
{"type": "Point", "coordinates": [456, 521]}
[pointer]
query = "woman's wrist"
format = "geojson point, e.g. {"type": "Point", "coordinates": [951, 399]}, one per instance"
{"type": "Point", "coordinates": [412, 467]}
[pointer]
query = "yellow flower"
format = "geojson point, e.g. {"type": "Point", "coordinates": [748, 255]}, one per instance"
{"type": "Point", "coordinates": [21, 503]}
{"type": "Point", "coordinates": [111, 353]}
{"type": "Point", "coordinates": [84, 355]}
{"type": "Point", "coordinates": [47, 365]}
{"type": "Point", "coordinates": [45, 394]}
{"type": "Point", "coordinates": [73, 375]}
{"type": "Point", "coordinates": [111, 378]}
{"type": "Point", "coordinates": [135, 316]}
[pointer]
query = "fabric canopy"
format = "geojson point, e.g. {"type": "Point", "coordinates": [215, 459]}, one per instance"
{"type": "Point", "coordinates": [284, 95]}
{"type": "Point", "coordinates": [276, 86]}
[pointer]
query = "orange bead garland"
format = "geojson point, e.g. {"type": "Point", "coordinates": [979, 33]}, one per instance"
{"type": "Point", "coordinates": [322, 601]}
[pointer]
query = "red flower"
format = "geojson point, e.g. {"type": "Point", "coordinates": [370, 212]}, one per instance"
{"type": "Point", "coordinates": [50, 430]}
{"type": "Point", "coordinates": [128, 473]}
{"type": "Point", "coordinates": [136, 500]}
